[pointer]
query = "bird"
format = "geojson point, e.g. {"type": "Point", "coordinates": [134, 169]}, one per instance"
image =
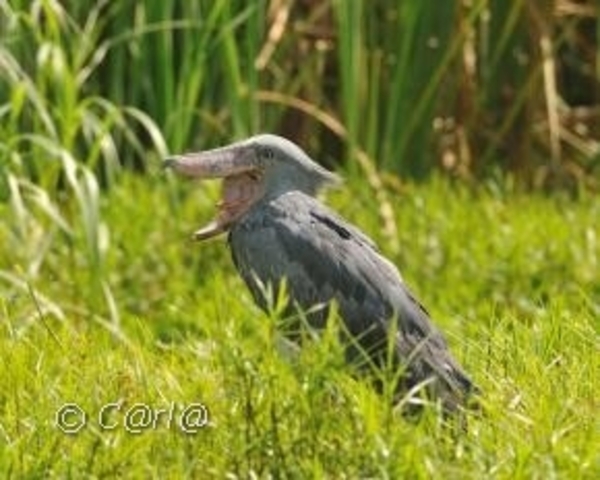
{"type": "Point", "coordinates": [282, 236]}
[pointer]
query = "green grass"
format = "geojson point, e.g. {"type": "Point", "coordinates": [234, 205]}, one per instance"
{"type": "Point", "coordinates": [512, 279]}
{"type": "Point", "coordinates": [104, 299]}
{"type": "Point", "coordinates": [469, 88]}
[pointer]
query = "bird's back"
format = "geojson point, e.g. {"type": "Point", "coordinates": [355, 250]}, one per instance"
{"type": "Point", "coordinates": [322, 258]}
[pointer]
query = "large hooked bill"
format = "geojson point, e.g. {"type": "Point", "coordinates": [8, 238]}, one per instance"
{"type": "Point", "coordinates": [241, 186]}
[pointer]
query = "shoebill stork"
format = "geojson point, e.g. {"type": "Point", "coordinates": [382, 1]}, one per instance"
{"type": "Point", "coordinates": [278, 231]}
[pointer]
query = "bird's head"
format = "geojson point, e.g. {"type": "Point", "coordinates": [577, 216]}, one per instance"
{"type": "Point", "coordinates": [260, 167]}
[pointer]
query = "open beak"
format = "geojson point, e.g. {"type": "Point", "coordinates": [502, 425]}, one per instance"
{"type": "Point", "coordinates": [241, 187]}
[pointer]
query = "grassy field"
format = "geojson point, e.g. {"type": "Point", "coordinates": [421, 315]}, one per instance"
{"type": "Point", "coordinates": [471, 155]}
{"type": "Point", "coordinates": [512, 279]}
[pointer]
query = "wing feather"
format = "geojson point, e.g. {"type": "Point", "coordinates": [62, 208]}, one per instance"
{"type": "Point", "coordinates": [324, 258]}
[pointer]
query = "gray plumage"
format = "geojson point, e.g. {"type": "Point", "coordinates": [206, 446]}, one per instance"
{"type": "Point", "coordinates": [282, 232]}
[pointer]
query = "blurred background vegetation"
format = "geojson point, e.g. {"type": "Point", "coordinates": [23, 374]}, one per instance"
{"type": "Point", "coordinates": [471, 126]}
{"type": "Point", "coordinates": [475, 88]}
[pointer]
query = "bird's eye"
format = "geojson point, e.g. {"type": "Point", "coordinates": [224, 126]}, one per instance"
{"type": "Point", "coordinates": [267, 153]}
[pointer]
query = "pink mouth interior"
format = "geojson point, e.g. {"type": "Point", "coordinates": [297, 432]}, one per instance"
{"type": "Point", "coordinates": [239, 193]}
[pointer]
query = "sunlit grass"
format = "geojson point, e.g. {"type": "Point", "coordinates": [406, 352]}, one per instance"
{"type": "Point", "coordinates": [512, 280]}
{"type": "Point", "coordinates": [103, 298]}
